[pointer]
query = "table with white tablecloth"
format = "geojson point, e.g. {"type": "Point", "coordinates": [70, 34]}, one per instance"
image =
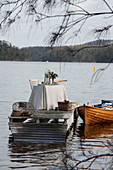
{"type": "Point", "coordinates": [47, 96]}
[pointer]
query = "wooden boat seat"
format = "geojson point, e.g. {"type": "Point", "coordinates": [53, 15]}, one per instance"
{"type": "Point", "coordinates": [33, 82]}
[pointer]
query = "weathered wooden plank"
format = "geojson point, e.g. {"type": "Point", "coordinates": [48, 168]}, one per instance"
{"type": "Point", "coordinates": [41, 141]}
{"type": "Point", "coordinates": [60, 113]}
{"type": "Point", "coordinates": [60, 133]}
{"type": "Point", "coordinates": [40, 125]}
{"type": "Point", "coordinates": [52, 114]}
{"type": "Point", "coordinates": [41, 137]}
{"type": "Point", "coordinates": [40, 132]}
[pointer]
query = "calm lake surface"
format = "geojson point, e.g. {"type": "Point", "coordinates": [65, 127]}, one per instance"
{"type": "Point", "coordinates": [14, 86]}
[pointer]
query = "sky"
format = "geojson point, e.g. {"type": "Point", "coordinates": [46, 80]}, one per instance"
{"type": "Point", "coordinates": [27, 33]}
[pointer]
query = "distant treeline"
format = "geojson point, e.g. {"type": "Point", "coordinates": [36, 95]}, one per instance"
{"type": "Point", "coordinates": [12, 53]}
{"type": "Point", "coordinates": [96, 51]}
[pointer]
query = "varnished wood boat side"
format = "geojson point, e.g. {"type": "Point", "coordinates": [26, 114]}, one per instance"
{"type": "Point", "coordinates": [81, 112]}
{"type": "Point", "coordinates": [95, 115]}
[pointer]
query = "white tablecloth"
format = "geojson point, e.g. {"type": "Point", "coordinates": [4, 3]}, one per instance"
{"type": "Point", "coordinates": [47, 96]}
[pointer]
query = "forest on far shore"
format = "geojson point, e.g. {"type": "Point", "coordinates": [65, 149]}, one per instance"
{"type": "Point", "coordinates": [12, 53]}
{"type": "Point", "coordinates": [100, 51]}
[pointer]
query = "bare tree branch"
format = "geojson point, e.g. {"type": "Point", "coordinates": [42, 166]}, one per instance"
{"type": "Point", "coordinates": [74, 52]}
{"type": "Point", "coordinates": [92, 158]}
{"type": "Point", "coordinates": [70, 162]}
{"type": "Point", "coordinates": [108, 5]}
{"type": "Point", "coordinates": [97, 73]}
{"type": "Point", "coordinates": [73, 14]}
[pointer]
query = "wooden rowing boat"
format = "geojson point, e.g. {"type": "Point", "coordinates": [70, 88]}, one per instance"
{"type": "Point", "coordinates": [99, 113]}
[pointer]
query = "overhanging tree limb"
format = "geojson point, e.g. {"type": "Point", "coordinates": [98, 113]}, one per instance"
{"type": "Point", "coordinates": [73, 14]}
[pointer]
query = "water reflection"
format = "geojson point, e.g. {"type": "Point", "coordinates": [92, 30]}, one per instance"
{"type": "Point", "coordinates": [96, 131]}
{"type": "Point", "coordinates": [27, 155]}
{"type": "Point", "coordinates": [84, 142]}
{"type": "Point", "coordinates": [95, 140]}
{"type": "Point", "coordinates": [96, 135]}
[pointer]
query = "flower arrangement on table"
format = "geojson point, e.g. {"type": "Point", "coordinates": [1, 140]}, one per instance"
{"type": "Point", "coordinates": [50, 76]}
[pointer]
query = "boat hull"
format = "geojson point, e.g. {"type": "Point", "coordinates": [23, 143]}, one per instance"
{"type": "Point", "coordinates": [94, 115]}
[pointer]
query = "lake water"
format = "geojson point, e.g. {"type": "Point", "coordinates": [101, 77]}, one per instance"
{"type": "Point", "coordinates": [14, 86]}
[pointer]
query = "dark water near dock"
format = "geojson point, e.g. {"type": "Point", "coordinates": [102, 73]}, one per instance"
{"type": "Point", "coordinates": [14, 86]}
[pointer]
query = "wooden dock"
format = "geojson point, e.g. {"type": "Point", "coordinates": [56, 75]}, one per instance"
{"type": "Point", "coordinates": [45, 126]}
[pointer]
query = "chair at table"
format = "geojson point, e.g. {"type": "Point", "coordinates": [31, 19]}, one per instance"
{"type": "Point", "coordinates": [61, 81]}
{"type": "Point", "coordinates": [34, 82]}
